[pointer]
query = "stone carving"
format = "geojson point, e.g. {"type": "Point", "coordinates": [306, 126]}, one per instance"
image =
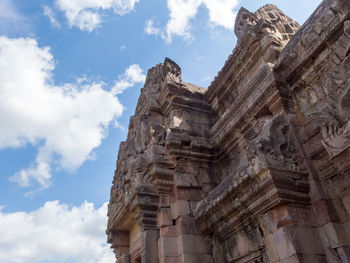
{"type": "Point", "coordinates": [172, 71]}
{"type": "Point", "coordinates": [274, 147]}
{"type": "Point", "coordinates": [245, 22]}
{"type": "Point", "coordinates": [336, 138]}
{"type": "Point", "coordinates": [253, 169]}
{"type": "Point", "coordinates": [268, 20]}
{"type": "Point", "coordinates": [336, 130]}
{"type": "Point", "coordinates": [153, 133]}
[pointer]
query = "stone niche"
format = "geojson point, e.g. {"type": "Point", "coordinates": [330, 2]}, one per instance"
{"type": "Point", "coordinates": [255, 168]}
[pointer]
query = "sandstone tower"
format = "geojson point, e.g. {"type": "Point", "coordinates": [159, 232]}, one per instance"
{"type": "Point", "coordinates": [256, 168]}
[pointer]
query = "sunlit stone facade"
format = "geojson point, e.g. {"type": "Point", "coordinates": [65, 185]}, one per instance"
{"type": "Point", "coordinates": [256, 168]}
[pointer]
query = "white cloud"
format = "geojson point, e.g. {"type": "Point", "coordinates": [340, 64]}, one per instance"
{"type": "Point", "coordinates": [39, 172]}
{"type": "Point", "coordinates": [8, 10]}
{"type": "Point", "coordinates": [221, 13]}
{"type": "Point", "coordinates": [55, 232]}
{"type": "Point", "coordinates": [150, 29]}
{"type": "Point", "coordinates": [85, 14]}
{"type": "Point", "coordinates": [51, 15]}
{"type": "Point", "coordinates": [133, 74]}
{"type": "Point", "coordinates": [181, 11]}
{"type": "Point", "coordinates": [65, 122]}
{"type": "Point", "coordinates": [12, 22]}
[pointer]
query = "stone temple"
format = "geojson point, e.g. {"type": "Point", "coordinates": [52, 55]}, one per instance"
{"type": "Point", "coordinates": [255, 168]}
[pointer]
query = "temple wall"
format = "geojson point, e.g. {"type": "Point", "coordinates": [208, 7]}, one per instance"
{"type": "Point", "coordinates": [256, 168]}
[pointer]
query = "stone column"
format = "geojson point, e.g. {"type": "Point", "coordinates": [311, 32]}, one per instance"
{"type": "Point", "coordinates": [120, 244]}
{"type": "Point", "coordinates": [287, 219]}
{"type": "Point", "coordinates": [146, 208]}
{"type": "Point", "coordinates": [149, 241]}
{"type": "Point", "coordinates": [290, 235]}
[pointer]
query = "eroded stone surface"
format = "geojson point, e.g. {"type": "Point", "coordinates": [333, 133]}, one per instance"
{"type": "Point", "coordinates": [253, 169]}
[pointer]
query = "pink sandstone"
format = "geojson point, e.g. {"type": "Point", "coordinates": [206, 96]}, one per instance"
{"type": "Point", "coordinates": [256, 168]}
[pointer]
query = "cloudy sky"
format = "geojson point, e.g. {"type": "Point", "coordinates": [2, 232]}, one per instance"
{"type": "Point", "coordinates": [70, 75]}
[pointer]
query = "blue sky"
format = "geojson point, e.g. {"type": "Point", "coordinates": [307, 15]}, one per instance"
{"type": "Point", "coordinates": [70, 75]}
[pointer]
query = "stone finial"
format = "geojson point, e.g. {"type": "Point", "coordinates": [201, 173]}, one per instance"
{"type": "Point", "coordinates": [268, 20]}
{"type": "Point", "coordinates": [245, 22]}
{"type": "Point", "coordinates": [172, 69]}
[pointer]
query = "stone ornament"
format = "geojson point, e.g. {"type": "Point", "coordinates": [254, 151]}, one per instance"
{"type": "Point", "coordinates": [273, 147]}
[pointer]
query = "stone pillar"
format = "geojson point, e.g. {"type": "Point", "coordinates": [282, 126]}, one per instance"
{"type": "Point", "coordinates": [125, 258]}
{"type": "Point", "coordinates": [338, 231]}
{"type": "Point", "coordinates": [149, 241]}
{"type": "Point", "coordinates": [167, 244]}
{"type": "Point", "coordinates": [120, 244]}
{"type": "Point", "coordinates": [287, 220]}
{"type": "Point", "coordinates": [146, 209]}
{"type": "Point", "coordinates": [192, 246]}
{"type": "Point", "coordinates": [290, 235]}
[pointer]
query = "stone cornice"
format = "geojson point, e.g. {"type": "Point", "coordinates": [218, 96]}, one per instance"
{"type": "Point", "coordinates": [255, 45]}
{"type": "Point", "coordinates": [322, 27]}
{"type": "Point", "coordinates": [254, 94]}
{"type": "Point", "coordinates": [176, 95]}
{"type": "Point", "coordinates": [249, 197]}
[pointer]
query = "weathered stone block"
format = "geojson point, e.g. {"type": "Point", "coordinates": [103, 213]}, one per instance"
{"type": "Point", "coordinates": [169, 231]}
{"type": "Point", "coordinates": [338, 234]}
{"type": "Point", "coordinates": [167, 247]}
{"type": "Point", "coordinates": [305, 258]}
{"type": "Point", "coordinates": [189, 258]}
{"type": "Point", "coordinates": [191, 194]}
{"type": "Point", "coordinates": [150, 249]}
{"type": "Point", "coordinates": [168, 260]}
{"type": "Point", "coordinates": [296, 240]}
{"type": "Point", "coordinates": [192, 244]}
{"type": "Point", "coordinates": [186, 180]}
{"type": "Point", "coordinates": [164, 217]}
{"type": "Point", "coordinates": [164, 201]}
{"type": "Point", "coordinates": [120, 251]}
{"type": "Point", "coordinates": [186, 225]}
{"type": "Point", "coordinates": [243, 246]}
{"type": "Point", "coordinates": [125, 258]}
{"type": "Point", "coordinates": [271, 248]}
{"type": "Point", "coordinates": [179, 208]}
